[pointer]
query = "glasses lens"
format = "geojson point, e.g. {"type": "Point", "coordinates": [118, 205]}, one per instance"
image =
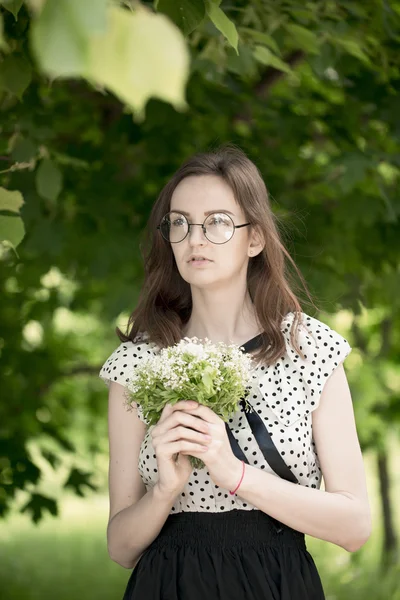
{"type": "Point", "coordinates": [174, 227]}
{"type": "Point", "coordinates": [219, 228]}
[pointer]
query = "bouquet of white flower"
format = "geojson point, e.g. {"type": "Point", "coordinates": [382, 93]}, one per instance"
{"type": "Point", "coordinates": [214, 374]}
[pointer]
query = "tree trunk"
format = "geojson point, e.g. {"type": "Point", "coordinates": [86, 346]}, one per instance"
{"type": "Point", "coordinates": [389, 548]}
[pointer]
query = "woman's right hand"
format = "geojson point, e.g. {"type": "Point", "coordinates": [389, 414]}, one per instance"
{"type": "Point", "coordinates": [177, 430]}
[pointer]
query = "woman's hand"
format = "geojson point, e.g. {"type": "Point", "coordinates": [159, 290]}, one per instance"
{"type": "Point", "coordinates": [177, 434]}
{"type": "Point", "coordinates": [224, 468]}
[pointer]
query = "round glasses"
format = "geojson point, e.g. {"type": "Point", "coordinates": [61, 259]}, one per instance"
{"type": "Point", "coordinates": [217, 227]}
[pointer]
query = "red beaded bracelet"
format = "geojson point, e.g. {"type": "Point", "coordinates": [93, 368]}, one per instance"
{"type": "Point", "coordinates": [241, 479]}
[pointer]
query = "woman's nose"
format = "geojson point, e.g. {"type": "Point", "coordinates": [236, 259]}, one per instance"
{"type": "Point", "coordinates": [193, 233]}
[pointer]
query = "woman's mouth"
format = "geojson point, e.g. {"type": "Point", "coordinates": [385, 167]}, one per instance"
{"type": "Point", "coordinates": [199, 262]}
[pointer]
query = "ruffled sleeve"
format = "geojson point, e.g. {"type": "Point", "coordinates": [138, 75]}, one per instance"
{"type": "Point", "coordinates": [120, 364]}
{"type": "Point", "coordinates": [292, 386]}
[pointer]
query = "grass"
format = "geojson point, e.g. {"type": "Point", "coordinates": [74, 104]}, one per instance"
{"type": "Point", "coordinates": [66, 557]}
{"type": "Point", "coordinates": [63, 558]}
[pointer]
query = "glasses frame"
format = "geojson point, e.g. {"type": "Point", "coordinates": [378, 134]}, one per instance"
{"type": "Point", "coordinates": [217, 212]}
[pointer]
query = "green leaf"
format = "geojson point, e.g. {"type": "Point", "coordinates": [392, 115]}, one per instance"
{"type": "Point", "coordinates": [262, 38]}
{"type": "Point", "coordinates": [352, 47]}
{"type": "Point", "coordinates": [37, 504]}
{"type": "Point", "coordinates": [48, 180]}
{"type": "Point", "coordinates": [59, 47]}
{"type": "Point", "coordinates": [265, 56]}
{"type": "Point", "coordinates": [243, 64]}
{"type": "Point", "coordinates": [51, 457]}
{"type": "Point", "coordinates": [89, 16]}
{"type": "Point", "coordinates": [114, 59]}
{"type": "Point", "coordinates": [388, 172]}
{"type": "Point", "coordinates": [303, 38]}
{"type": "Point", "coordinates": [10, 200]}
{"type": "Point", "coordinates": [355, 167]}
{"type": "Point", "coordinates": [15, 75]}
{"type": "Point", "coordinates": [3, 44]}
{"type": "Point", "coordinates": [186, 14]}
{"type": "Point", "coordinates": [24, 150]}
{"type": "Point", "coordinates": [13, 6]}
{"type": "Point", "coordinates": [78, 479]}
{"type": "Point", "coordinates": [60, 35]}
{"type": "Point", "coordinates": [117, 60]}
{"type": "Point", "coordinates": [12, 230]}
{"type": "Point", "coordinates": [207, 382]}
{"type": "Point", "coordinates": [59, 436]}
{"type": "Point", "coordinates": [65, 159]}
{"type": "Point", "coordinates": [223, 24]}
{"type": "Point", "coordinates": [390, 205]}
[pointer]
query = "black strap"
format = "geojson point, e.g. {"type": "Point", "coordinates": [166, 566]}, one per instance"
{"type": "Point", "coordinates": [252, 344]}
{"type": "Point", "coordinates": [267, 446]}
{"type": "Point", "coordinates": [260, 432]}
{"type": "Point", "coordinates": [236, 449]}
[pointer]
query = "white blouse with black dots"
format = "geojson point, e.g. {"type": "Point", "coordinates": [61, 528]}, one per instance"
{"type": "Point", "coordinates": [284, 394]}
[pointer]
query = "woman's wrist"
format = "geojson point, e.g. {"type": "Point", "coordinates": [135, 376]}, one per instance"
{"type": "Point", "coordinates": [163, 495]}
{"type": "Point", "coordinates": [239, 475]}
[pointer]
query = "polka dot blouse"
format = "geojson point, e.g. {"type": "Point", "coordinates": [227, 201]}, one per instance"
{"type": "Point", "coordinates": [284, 394]}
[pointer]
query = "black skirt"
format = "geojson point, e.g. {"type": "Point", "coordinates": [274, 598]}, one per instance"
{"type": "Point", "coordinates": [236, 555]}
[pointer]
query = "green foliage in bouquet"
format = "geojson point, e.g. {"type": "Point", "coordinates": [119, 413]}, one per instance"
{"type": "Point", "coordinates": [216, 375]}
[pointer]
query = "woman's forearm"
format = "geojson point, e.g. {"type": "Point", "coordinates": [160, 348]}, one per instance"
{"type": "Point", "coordinates": [334, 517]}
{"type": "Point", "coordinates": [133, 529]}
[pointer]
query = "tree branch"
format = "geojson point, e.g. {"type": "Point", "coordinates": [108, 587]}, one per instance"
{"type": "Point", "coordinates": [269, 77]}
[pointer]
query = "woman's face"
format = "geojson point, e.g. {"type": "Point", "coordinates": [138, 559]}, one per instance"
{"type": "Point", "coordinates": [196, 195]}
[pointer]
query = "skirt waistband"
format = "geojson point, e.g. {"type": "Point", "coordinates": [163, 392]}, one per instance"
{"type": "Point", "coordinates": [235, 528]}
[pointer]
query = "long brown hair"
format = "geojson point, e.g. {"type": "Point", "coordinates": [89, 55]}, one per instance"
{"type": "Point", "coordinates": [165, 302]}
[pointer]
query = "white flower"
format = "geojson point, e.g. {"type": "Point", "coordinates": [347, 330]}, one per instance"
{"type": "Point", "coordinates": [201, 370]}
{"type": "Point", "coordinates": [194, 349]}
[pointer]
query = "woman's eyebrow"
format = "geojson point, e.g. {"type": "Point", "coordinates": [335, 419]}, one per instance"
{"type": "Point", "coordinates": [206, 213]}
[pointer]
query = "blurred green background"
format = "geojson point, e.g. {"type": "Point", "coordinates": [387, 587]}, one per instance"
{"type": "Point", "coordinates": [100, 102]}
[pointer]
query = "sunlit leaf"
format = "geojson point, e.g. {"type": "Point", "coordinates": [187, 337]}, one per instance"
{"type": "Point", "coordinates": [58, 43]}
{"type": "Point", "coordinates": [12, 230]}
{"type": "Point", "coordinates": [61, 31]}
{"type": "Point", "coordinates": [10, 200]}
{"type": "Point", "coordinates": [142, 55]}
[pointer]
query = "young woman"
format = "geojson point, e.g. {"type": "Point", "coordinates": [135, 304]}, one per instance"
{"type": "Point", "coordinates": [215, 267]}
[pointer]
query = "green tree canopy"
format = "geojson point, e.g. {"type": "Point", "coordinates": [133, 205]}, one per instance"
{"type": "Point", "coordinates": [101, 101]}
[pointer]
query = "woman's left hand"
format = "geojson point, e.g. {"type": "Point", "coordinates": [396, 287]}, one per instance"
{"type": "Point", "coordinates": [224, 468]}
